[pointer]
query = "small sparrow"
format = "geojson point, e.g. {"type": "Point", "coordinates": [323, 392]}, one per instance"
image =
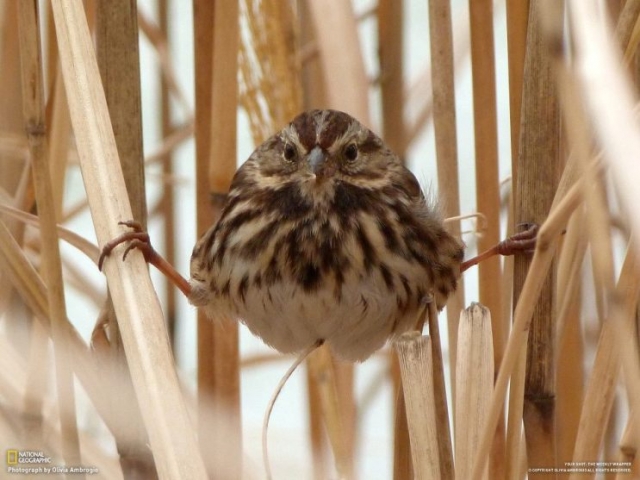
{"type": "Point", "coordinates": [325, 237]}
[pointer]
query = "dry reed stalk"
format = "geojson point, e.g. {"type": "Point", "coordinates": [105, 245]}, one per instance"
{"type": "Point", "coordinates": [322, 370]}
{"type": "Point", "coordinates": [475, 383]}
{"type": "Point", "coordinates": [515, 440]}
{"type": "Point", "coordinates": [570, 369]}
{"type": "Point", "coordinates": [33, 104]}
{"type": "Point", "coordinates": [116, 31]}
{"type": "Point", "coordinates": [414, 353]}
{"type": "Point", "coordinates": [168, 84]}
{"type": "Point", "coordinates": [626, 21]}
{"type": "Point", "coordinates": [97, 380]}
{"type": "Point", "coordinates": [629, 444]}
{"type": "Point", "coordinates": [218, 345]}
{"type": "Point", "coordinates": [157, 36]}
{"type": "Point", "coordinates": [486, 152]}
{"type": "Point", "coordinates": [440, 396]}
{"type": "Point", "coordinates": [14, 168]}
{"type": "Point", "coordinates": [58, 135]}
{"type": "Point", "coordinates": [517, 25]}
{"type": "Point", "coordinates": [419, 92]}
{"type": "Point", "coordinates": [271, 91]}
{"type": "Point", "coordinates": [11, 120]}
{"type": "Point", "coordinates": [536, 181]}
{"type": "Point", "coordinates": [390, 47]}
{"type": "Point", "coordinates": [599, 72]}
{"type": "Point", "coordinates": [390, 50]}
{"type": "Point", "coordinates": [444, 121]}
{"type": "Point", "coordinates": [600, 392]}
{"type": "Point", "coordinates": [548, 234]}
{"type": "Point", "coordinates": [517, 13]}
{"type": "Point", "coordinates": [341, 53]}
{"type": "Point", "coordinates": [140, 320]}
{"type": "Point", "coordinates": [402, 464]}
{"type": "Point", "coordinates": [316, 432]}
{"type": "Point", "coordinates": [623, 315]}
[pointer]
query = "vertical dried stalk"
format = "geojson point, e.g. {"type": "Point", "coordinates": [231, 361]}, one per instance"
{"type": "Point", "coordinates": [119, 63]}
{"type": "Point", "coordinates": [440, 397]}
{"type": "Point", "coordinates": [475, 383]}
{"type": "Point", "coordinates": [218, 345]}
{"type": "Point", "coordinates": [517, 25]}
{"type": "Point", "coordinates": [321, 369]}
{"type": "Point", "coordinates": [486, 149]}
{"type": "Point", "coordinates": [402, 465]}
{"type": "Point", "coordinates": [536, 182]}
{"type": "Point", "coordinates": [600, 392]}
{"type": "Point", "coordinates": [341, 53]}
{"type": "Point", "coordinates": [170, 293]}
{"type": "Point", "coordinates": [140, 319]}
{"type": "Point", "coordinates": [626, 21]}
{"type": "Point", "coordinates": [414, 352]}
{"type": "Point", "coordinates": [390, 45]}
{"type": "Point", "coordinates": [33, 104]}
{"type": "Point", "coordinates": [11, 120]}
{"type": "Point", "coordinates": [444, 119]}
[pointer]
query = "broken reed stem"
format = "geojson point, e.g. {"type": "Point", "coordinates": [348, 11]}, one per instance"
{"type": "Point", "coordinates": [474, 377]}
{"type": "Point", "coordinates": [140, 319]}
{"type": "Point", "coordinates": [33, 104]}
{"type": "Point", "coordinates": [416, 366]}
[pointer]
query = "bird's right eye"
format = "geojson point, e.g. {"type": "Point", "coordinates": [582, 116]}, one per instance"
{"type": "Point", "coordinates": [289, 152]}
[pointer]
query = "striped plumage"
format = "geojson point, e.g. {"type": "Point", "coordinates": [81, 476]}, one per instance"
{"type": "Point", "coordinates": [325, 236]}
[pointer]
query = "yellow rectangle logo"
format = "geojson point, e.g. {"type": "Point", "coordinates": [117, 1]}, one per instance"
{"type": "Point", "coordinates": [12, 457]}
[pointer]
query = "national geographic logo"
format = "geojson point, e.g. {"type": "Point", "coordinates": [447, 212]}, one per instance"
{"type": "Point", "coordinates": [15, 457]}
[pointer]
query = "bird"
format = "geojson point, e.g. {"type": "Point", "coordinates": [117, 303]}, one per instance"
{"type": "Point", "coordinates": [325, 237]}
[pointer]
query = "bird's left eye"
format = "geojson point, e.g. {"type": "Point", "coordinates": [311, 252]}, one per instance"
{"type": "Point", "coordinates": [351, 152]}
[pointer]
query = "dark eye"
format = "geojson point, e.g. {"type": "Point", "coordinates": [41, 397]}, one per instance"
{"type": "Point", "coordinates": [289, 152]}
{"type": "Point", "coordinates": [351, 152]}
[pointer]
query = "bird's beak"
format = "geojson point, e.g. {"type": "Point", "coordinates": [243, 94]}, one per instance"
{"type": "Point", "coordinates": [317, 159]}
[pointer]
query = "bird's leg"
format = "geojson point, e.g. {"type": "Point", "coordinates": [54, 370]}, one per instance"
{"type": "Point", "coordinates": [521, 242]}
{"type": "Point", "coordinates": [139, 239]}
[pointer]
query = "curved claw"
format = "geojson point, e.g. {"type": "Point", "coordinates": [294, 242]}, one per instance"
{"type": "Point", "coordinates": [138, 237]}
{"type": "Point", "coordinates": [524, 241]}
